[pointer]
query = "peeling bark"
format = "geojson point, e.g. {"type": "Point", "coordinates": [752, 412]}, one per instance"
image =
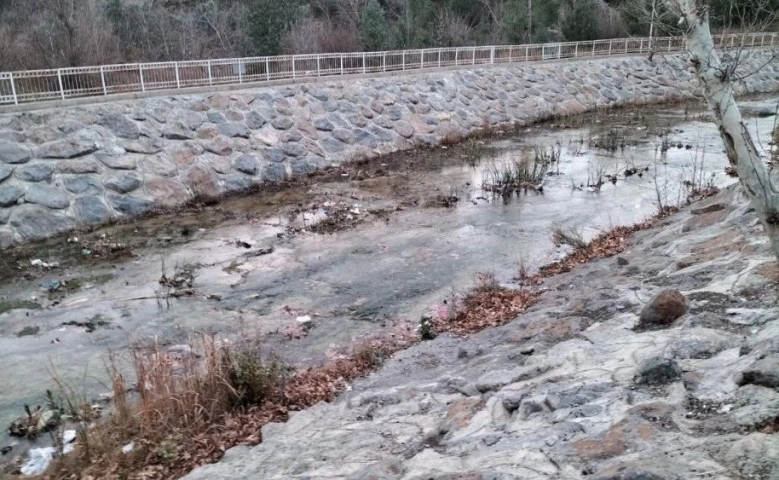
{"type": "Point", "coordinates": [716, 82]}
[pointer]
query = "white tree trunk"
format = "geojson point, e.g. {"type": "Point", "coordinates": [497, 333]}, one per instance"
{"type": "Point", "coordinates": [717, 84]}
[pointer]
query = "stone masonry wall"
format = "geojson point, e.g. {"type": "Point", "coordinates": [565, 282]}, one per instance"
{"type": "Point", "coordinates": [80, 166]}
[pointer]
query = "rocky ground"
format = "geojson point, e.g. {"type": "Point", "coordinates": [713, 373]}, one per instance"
{"type": "Point", "coordinates": [599, 380]}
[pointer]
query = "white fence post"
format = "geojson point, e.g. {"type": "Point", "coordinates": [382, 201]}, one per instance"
{"type": "Point", "coordinates": [13, 88]}
{"type": "Point", "coordinates": [293, 67]}
{"type": "Point", "coordinates": [318, 69]}
{"type": "Point", "coordinates": [342, 64]}
{"type": "Point", "coordinates": [102, 81]}
{"type": "Point", "coordinates": [611, 43]}
{"type": "Point", "coordinates": [593, 48]}
{"type": "Point", "coordinates": [404, 61]}
{"type": "Point", "coordinates": [627, 42]}
{"type": "Point", "coordinates": [559, 51]}
{"type": "Point", "coordinates": [474, 55]}
{"type": "Point", "coordinates": [440, 52]}
{"type": "Point", "coordinates": [140, 72]}
{"type": "Point", "coordinates": [364, 65]}
{"type": "Point", "coordinates": [178, 81]}
{"type": "Point", "coordinates": [383, 61]}
{"type": "Point", "coordinates": [422, 59]}
{"type": "Point", "coordinates": [267, 69]}
{"type": "Point", "coordinates": [492, 55]}
{"type": "Point", "coordinates": [59, 78]}
{"type": "Point", "coordinates": [576, 51]}
{"type": "Point", "coordinates": [210, 78]}
{"type": "Point", "coordinates": [240, 71]}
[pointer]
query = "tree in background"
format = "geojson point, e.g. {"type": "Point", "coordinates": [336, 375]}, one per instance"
{"type": "Point", "coordinates": [373, 32]}
{"type": "Point", "coordinates": [269, 20]}
{"type": "Point", "coordinates": [581, 22]}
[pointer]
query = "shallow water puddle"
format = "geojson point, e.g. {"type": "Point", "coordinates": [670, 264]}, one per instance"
{"type": "Point", "coordinates": [309, 269]}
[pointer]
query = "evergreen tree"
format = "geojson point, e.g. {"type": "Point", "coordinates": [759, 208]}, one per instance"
{"type": "Point", "coordinates": [268, 20]}
{"type": "Point", "coordinates": [373, 34]}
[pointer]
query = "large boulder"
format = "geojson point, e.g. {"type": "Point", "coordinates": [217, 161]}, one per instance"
{"type": "Point", "coordinates": [663, 309]}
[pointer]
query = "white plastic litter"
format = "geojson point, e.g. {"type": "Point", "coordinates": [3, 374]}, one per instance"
{"type": "Point", "coordinates": [39, 461]}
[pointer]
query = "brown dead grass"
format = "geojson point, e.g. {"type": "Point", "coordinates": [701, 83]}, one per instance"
{"type": "Point", "coordinates": [604, 245]}
{"type": "Point", "coordinates": [189, 410]}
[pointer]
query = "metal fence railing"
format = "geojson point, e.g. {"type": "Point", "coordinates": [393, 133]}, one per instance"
{"type": "Point", "coordinates": [63, 83]}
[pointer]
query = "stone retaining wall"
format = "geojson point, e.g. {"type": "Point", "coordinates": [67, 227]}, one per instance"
{"type": "Point", "coordinates": [79, 166]}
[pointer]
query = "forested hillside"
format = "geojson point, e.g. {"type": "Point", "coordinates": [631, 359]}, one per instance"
{"type": "Point", "coordinates": [61, 33]}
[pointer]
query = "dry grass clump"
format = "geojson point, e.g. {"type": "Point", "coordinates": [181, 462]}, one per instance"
{"type": "Point", "coordinates": [604, 245]}
{"type": "Point", "coordinates": [488, 305]}
{"type": "Point", "coordinates": [188, 409]}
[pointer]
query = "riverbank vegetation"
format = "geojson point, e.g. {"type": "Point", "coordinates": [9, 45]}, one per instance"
{"type": "Point", "coordinates": [69, 33]}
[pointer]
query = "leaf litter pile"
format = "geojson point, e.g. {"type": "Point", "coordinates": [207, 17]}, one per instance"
{"type": "Point", "coordinates": [173, 443]}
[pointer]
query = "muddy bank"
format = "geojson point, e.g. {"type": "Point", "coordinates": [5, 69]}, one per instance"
{"type": "Point", "coordinates": [311, 268]}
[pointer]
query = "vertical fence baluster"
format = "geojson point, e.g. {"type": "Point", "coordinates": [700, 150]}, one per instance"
{"type": "Point", "coordinates": [59, 78]}
{"type": "Point", "coordinates": [342, 64]}
{"type": "Point", "coordinates": [140, 73]}
{"type": "Point", "coordinates": [267, 69]}
{"type": "Point", "coordinates": [474, 55]}
{"type": "Point", "coordinates": [240, 71]}
{"type": "Point", "coordinates": [404, 61]}
{"type": "Point", "coordinates": [102, 80]}
{"type": "Point", "coordinates": [210, 78]}
{"type": "Point", "coordinates": [13, 88]}
{"type": "Point", "coordinates": [178, 81]}
{"type": "Point", "coordinates": [383, 61]}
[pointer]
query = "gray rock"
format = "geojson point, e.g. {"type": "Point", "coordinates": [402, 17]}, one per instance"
{"type": "Point", "coordinates": [302, 166]}
{"type": "Point", "coordinates": [657, 371]}
{"type": "Point", "coordinates": [37, 172]}
{"type": "Point", "coordinates": [143, 145]}
{"type": "Point", "coordinates": [67, 149]}
{"type": "Point", "coordinates": [233, 130]}
{"type": "Point", "coordinates": [5, 171]}
{"type": "Point", "coordinates": [177, 131]}
{"type": "Point", "coordinates": [12, 152]}
{"type": "Point", "coordinates": [123, 183]}
{"type": "Point", "coordinates": [47, 196]}
{"type": "Point", "coordinates": [294, 149]}
{"type": "Point", "coordinates": [118, 162]}
{"type": "Point", "coordinates": [33, 222]}
{"type": "Point", "coordinates": [404, 129]}
{"type": "Point", "coordinates": [216, 117]}
{"type": "Point", "coordinates": [121, 126]}
{"type": "Point", "coordinates": [386, 470]}
{"type": "Point", "coordinates": [190, 119]}
{"type": "Point", "coordinates": [77, 166]}
{"type": "Point", "coordinates": [331, 145]}
{"type": "Point", "coordinates": [274, 172]}
{"type": "Point", "coordinates": [764, 372]}
{"type": "Point", "coordinates": [129, 205]}
{"type": "Point", "coordinates": [282, 123]}
{"type": "Point", "coordinates": [236, 182]}
{"type": "Point", "coordinates": [5, 215]}
{"type": "Point", "coordinates": [9, 195]}
{"type": "Point", "coordinates": [83, 184]}
{"type": "Point", "coordinates": [255, 120]}
{"type": "Point", "coordinates": [365, 138]}
{"type": "Point", "coordinates": [755, 456]}
{"type": "Point", "coordinates": [663, 309]}
{"type": "Point", "coordinates": [247, 164]}
{"type": "Point", "coordinates": [344, 135]}
{"type": "Point", "coordinates": [323, 125]}
{"type": "Point", "coordinates": [274, 154]}
{"type": "Point", "coordinates": [381, 134]}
